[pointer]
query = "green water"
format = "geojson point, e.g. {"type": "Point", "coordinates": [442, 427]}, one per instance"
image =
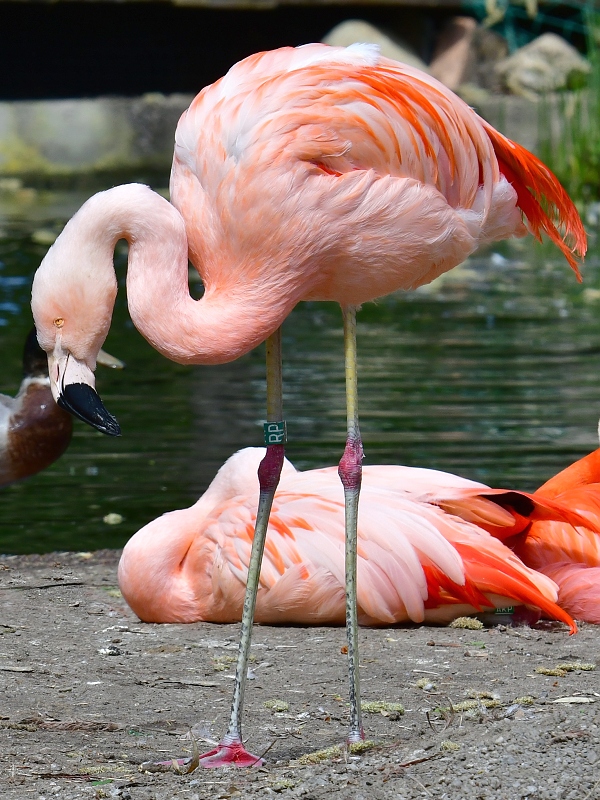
{"type": "Point", "coordinates": [491, 372]}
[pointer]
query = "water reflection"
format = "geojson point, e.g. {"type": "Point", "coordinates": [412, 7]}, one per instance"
{"type": "Point", "coordinates": [491, 372]}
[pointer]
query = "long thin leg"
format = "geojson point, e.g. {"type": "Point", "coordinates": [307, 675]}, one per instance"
{"type": "Point", "coordinates": [350, 471]}
{"type": "Point", "coordinates": [230, 750]}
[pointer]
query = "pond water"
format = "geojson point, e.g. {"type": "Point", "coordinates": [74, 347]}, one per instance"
{"type": "Point", "coordinates": [491, 372]}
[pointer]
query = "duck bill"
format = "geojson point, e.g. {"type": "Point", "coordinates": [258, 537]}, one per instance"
{"type": "Point", "coordinates": [73, 388]}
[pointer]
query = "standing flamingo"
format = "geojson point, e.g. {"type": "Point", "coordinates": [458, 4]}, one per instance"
{"type": "Point", "coordinates": [310, 173]}
{"type": "Point", "coordinates": [424, 554]}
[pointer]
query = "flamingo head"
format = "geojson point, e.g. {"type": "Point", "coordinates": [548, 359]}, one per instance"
{"type": "Point", "coordinates": [72, 298]}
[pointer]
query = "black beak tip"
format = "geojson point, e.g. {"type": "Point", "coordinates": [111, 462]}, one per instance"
{"type": "Point", "coordinates": [83, 402]}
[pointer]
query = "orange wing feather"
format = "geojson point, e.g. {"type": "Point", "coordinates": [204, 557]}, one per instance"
{"type": "Point", "coordinates": [584, 472]}
{"type": "Point", "coordinates": [569, 551]}
{"type": "Point", "coordinates": [537, 187]}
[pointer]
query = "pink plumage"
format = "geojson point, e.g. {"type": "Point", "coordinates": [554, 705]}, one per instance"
{"type": "Point", "coordinates": [416, 561]}
{"type": "Point", "coordinates": [570, 553]}
{"type": "Point", "coordinates": [312, 173]}
{"type": "Point", "coordinates": [304, 173]}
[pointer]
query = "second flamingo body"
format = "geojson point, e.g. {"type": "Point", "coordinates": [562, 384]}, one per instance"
{"type": "Point", "coordinates": [421, 555]}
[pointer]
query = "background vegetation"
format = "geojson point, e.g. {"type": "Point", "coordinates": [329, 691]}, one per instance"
{"type": "Point", "coordinates": [573, 150]}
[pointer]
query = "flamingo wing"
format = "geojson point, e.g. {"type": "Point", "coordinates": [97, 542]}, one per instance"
{"type": "Point", "coordinates": [302, 576]}
{"type": "Point", "coordinates": [494, 576]}
{"type": "Point", "coordinates": [538, 193]}
{"type": "Point", "coordinates": [389, 166]}
{"type": "Point", "coordinates": [552, 541]}
{"type": "Point", "coordinates": [416, 561]}
{"type": "Point", "coordinates": [567, 548]}
{"type": "Point", "coordinates": [578, 489]}
{"type": "Point", "coordinates": [503, 513]}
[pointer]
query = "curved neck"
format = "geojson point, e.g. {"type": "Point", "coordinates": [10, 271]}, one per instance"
{"type": "Point", "coordinates": [224, 324]}
{"type": "Point", "coordinates": [215, 329]}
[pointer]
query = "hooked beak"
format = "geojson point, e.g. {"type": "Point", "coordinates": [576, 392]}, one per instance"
{"type": "Point", "coordinates": [72, 385]}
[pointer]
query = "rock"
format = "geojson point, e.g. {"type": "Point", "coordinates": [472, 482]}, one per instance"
{"type": "Point", "coordinates": [453, 55]}
{"type": "Point", "coordinates": [357, 30]}
{"type": "Point", "coordinates": [465, 54]}
{"type": "Point", "coordinates": [71, 137]}
{"type": "Point", "coordinates": [489, 48]}
{"type": "Point", "coordinates": [547, 64]}
{"type": "Point", "coordinates": [472, 94]}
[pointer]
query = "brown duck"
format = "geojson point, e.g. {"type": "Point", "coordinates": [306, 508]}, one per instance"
{"type": "Point", "coordinates": [34, 431]}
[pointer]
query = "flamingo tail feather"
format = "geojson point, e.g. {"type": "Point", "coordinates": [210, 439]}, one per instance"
{"type": "Point", "coordinates": [545, 204]}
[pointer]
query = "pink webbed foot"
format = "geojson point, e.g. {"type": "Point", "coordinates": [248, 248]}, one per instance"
{"type": "Point", "coordinates": [225, 754]}
{"type": "Point", "coordinates": [229, 754]}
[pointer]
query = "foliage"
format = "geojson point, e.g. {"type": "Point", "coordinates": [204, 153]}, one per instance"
{"type": "Point", "coordinates": [521, 21]}
{"type": "Point", "coordinates": [572, 149]}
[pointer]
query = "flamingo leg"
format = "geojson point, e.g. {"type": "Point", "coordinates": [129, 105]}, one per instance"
{"type": "Point", "coordinates": [230, 750]}
{"type": "Point", "coordinates": [350, 472]}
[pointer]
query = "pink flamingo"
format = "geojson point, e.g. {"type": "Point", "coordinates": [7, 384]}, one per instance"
{"type": "Point", "coordinates": [310, 173]}
{"type": "Point", "coordinates": [569, 553]}
{"type": "Point", "coordinates": [424, 554]}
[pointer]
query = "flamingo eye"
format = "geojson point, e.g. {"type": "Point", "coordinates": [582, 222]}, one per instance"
{"type": "Point", "coordinates": [59, 322]}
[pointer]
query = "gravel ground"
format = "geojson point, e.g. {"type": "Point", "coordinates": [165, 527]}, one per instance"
{"type": "Point", "coordinates": [90, 694]}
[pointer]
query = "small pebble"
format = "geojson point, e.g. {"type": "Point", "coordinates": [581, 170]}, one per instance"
{"type": "Point", "coordinates": [113, 519]}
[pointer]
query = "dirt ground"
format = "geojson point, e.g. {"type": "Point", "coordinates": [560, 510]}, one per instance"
{"type": "Point", "coordinates": [89, 694]}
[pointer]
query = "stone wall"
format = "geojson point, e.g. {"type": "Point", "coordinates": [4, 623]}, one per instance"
{"type": "Point", "coordinates": [66, 138]}
{"type": "Point", "coordinates": [63, 138]}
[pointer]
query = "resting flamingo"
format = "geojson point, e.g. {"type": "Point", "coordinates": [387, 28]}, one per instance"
{"type": "Point", "coordinates": [310, 173]}
{"type": "Point", "coordinates": [422, 557]}
{"type": "Point", "coordinates": [569, 553]}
